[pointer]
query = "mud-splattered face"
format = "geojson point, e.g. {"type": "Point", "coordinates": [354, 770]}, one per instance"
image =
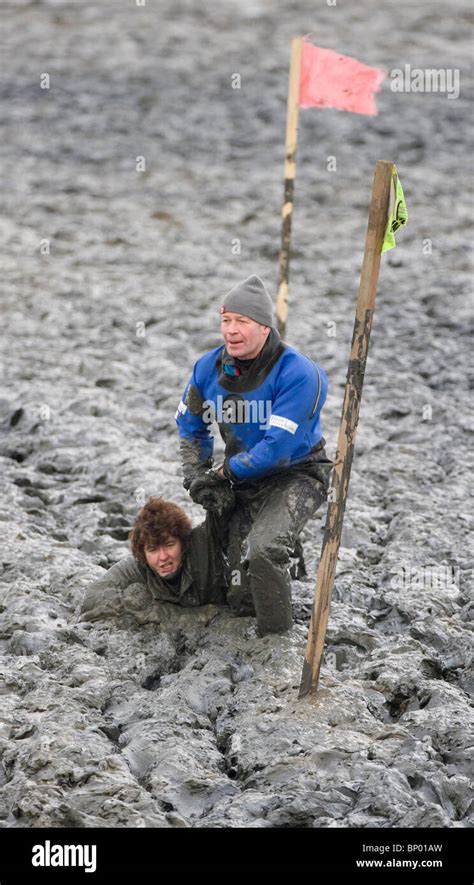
{"type": "Point", "coordinates": [243, 337]}
{"type": "Point", "coordinates": [165, 559]}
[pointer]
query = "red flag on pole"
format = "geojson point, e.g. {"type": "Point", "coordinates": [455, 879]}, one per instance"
{"type": "Point", "coordinates": [331, 80]}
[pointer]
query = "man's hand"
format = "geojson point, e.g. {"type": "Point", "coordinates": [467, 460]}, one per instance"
{"type": "Point", "coordinates": [212, 491]}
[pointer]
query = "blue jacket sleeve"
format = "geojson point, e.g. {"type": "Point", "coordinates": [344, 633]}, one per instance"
{"type": "Point", "coordinates": [297, 394]}
{"type": "Point", "coordinates": [196, 440]}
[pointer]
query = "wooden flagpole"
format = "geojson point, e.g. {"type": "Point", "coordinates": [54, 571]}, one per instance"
{"type": "Point", "coordinates": [337, 497]}
{"type": "Point", "coordinates": [290, 171]}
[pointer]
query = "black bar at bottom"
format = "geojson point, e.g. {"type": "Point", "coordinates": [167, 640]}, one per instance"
{"type": "Point", "coordinates": [64, 855]}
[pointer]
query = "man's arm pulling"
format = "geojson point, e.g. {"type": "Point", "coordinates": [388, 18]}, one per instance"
{"type": "Point", "coordinates": [196, 444]}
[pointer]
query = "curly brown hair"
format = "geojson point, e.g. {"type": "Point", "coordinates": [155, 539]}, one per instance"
{"type": "Point", "coordinates": [156, 521]}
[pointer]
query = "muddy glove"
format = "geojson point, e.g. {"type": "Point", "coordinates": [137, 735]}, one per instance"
{"type": "Point", "coordinates": [212, 492]}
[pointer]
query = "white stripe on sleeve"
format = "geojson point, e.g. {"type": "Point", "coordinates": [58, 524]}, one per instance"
{"type": "Point", "coordinates": [182, 409]}
{"type": "Point", "coordinates": [284, 423]}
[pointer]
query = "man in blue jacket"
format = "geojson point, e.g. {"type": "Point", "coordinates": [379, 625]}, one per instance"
{"type": "Point", "coordinates": [266, 399]}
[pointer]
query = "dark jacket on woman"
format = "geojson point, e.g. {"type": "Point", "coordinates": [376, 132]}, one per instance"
{"type": "Point", "coordinates": [200, 580]}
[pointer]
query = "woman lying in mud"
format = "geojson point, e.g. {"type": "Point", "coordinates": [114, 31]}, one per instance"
{"type": "Point", "coordinates": [172, 560]}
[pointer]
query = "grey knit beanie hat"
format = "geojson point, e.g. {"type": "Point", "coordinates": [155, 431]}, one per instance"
{"type": "Point", "coordinates": [250, 299]}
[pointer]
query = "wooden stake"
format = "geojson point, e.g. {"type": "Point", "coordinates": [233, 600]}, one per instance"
{"type": "Point", "coordinates": [337, 496]}
{"type": "Point", "coordinates": [290, 171]}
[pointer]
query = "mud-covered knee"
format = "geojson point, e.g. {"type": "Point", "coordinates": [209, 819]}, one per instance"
{"type": "Point", "coordinates": [274, 549]}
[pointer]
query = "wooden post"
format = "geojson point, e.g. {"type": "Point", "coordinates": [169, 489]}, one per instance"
{"type": "Point", "coordinates": [337, 497]}
{"type": "Point", "coordinates": [290, 171]}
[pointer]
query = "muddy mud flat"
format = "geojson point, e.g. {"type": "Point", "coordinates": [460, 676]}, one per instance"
{"type": "Point", "coordinates": [112, 282]}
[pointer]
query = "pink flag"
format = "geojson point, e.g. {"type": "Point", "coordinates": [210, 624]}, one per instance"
{"type": "Point", "coordinates": [331, 80]}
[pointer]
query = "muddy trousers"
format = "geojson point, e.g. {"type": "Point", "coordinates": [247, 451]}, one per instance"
{"type": "Point", "coordinates": [263, 537]}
